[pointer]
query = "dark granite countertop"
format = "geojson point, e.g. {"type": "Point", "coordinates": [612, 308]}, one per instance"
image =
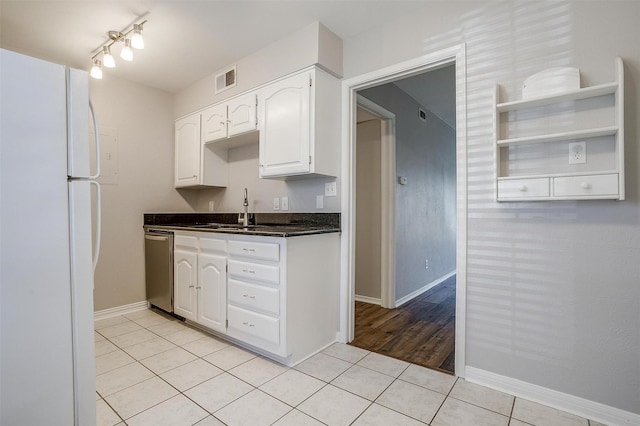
{"type": "Point", "coordinates": [263, 224]}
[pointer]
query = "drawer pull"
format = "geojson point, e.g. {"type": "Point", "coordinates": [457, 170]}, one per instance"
{"type": "Point", "coordinates": [585, 185]}
{"type": "Point", "coordinates": [250, 250]}
{"type": "Point", "coordinates": [523, 188]}
{"type": "Point", "coordinates": [248, 271]}
{"type": "Point", "coordinates": [250, 297]}
{"type": "Point", "coordinates": [248, 324]}
{"type": "Point", "coordinates": [191, 286]}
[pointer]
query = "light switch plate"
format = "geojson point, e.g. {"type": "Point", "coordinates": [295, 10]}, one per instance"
{"type": "Point", "coordinates": [319, 202]}
{"type": "Point", "coordinates": [284, 203]}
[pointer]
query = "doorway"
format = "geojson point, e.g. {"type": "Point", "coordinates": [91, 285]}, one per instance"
{"type": "Point", "coordinates": [453, 56]}
{"type": "Point", "coordinates": [421, 109]}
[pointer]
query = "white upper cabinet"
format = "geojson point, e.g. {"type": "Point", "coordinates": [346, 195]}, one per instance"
{"type": "Point", "coordinates": [197, 164]}
{"type": "Point", "coordinates": [298, 118]}
{"type": "Point", "coordinates": [564, 146]}
{"type": "Point", "coordinates": [299, 123]}
{"type": "Point", "coordinates": [214, 123]}
{"type": "Point", "coordinates": [187, 160]}
{"type": "Point", "coordinates": [228, 119]}
{"type": "Point", "coordinates": [241, 113]}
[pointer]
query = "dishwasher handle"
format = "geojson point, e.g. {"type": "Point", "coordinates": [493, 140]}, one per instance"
{"type": "Point", "coordinates": [157, 237]}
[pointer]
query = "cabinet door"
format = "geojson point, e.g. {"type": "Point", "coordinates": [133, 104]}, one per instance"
{"type": "Point", "coordinates": [185, 280]}
{"type": "Point", "coordinates": [212, 291]}
{"type": "Point", "coordinates": [187, 161]}
{"type": "Point", "coordinates": [214, 123]}
{"type": "Point", "coordinates": [285, 127]}
{"type": "Point", "coordinates": [242, 114]}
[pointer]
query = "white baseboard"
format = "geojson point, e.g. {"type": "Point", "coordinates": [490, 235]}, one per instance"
{"type": "Point", "coordinates": [552, 398]}
{"type": "Point", "coordinates": [119, 310]}
{"type": "Point", "coordinates": [421, 290]}
{"type": "Point", "coordinates": [367, 299]}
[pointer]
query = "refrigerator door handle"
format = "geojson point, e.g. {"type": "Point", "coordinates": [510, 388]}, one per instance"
{"type": "Point", "coordinates": [97, 142]}
{"type": "Point", "coordinates": [96, 248]}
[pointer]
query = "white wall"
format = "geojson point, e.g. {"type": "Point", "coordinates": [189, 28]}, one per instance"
{"type": "Point", "coordinates": [553, 296]}
{"type": "Point", "coordinates": [141, 120]}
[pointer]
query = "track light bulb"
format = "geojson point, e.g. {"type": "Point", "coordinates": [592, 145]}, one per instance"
{"type": "Point", "coordinates": [136, 38]}
{"type": "Point", "coordinates": [126, 53]}
{"type": "Point", "coordinates": [96, 69]}
{"type": "Point", "coordinates": [107, 57]}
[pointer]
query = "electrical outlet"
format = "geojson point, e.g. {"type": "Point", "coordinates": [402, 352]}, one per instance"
{"type": "Point", "coordinates": [276, 203]}
{"type": "Point", "coordinates": [330, 189]}
{"type": "Point", "coordinates": [211, 205]}
{"type": "Point", "coordinates": [284, 203]}
{"type": "Point", "coordinates": [426, 264]}
{"type": "Point", "coordinates": [578, 152]}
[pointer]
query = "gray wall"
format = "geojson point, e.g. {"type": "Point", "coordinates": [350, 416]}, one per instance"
{"type": "Point", "coordinates": [425, 207]}
{"type": "Point", "coordinates": [552, 287]}
{"type": "Point", "coordinates": [139, 180]}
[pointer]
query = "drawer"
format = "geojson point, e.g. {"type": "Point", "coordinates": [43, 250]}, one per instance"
{"type": "Point", "coordinates": [254, 271]}
{"type": "Point", "coordinates": [254, 296]}
{"type": "Point", "coordinates": [264, 251]}
{"type": "Point", "coordinates": [185, 242]}
{"type": "Point", "coordinates": [588, 185]}
{"type": "Point", "coordinates": [254, 324]}
{"type": "Point", "coordinates": [213, 244]}
{"type": "Point", "coordinates": [523, 188]}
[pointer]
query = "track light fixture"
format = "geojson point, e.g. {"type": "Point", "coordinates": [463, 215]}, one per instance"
{"type": "Point", "coordinates": [135, 40]}
{"type": "Point", "coordinates": [96, 69]}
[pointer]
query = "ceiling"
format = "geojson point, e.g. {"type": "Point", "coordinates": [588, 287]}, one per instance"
{"type": "Point", "coordinates": [185, 40]}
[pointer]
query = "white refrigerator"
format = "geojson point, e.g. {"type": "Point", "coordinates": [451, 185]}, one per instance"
{"type": "Point", "coordinates": [47, 355]}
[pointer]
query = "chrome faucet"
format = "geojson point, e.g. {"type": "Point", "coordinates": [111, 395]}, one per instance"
{"type": "Point", "coordinates": [244, 217]}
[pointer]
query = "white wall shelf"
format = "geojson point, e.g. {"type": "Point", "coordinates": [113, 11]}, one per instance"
{"type": "Point", "coordinates": [574, 95]}
{"type": "Point", "coordinates": [532, 144]}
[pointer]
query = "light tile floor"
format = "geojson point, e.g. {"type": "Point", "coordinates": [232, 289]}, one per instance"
{"type": "Point", "coordinates": [153, 370]}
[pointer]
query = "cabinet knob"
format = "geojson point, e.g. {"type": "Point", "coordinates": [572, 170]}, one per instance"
{"type": "Point", "coordinates": [523, 188]}
{"type": "Point", "coordinates": [585, 185]}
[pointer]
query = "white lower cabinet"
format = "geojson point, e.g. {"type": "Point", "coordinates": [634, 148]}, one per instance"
{"type": "Point", "coordinates": [278, 296]}
{"type": "Point", "coordinates": [200, 280]}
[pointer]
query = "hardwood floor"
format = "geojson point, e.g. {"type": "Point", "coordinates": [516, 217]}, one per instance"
{"type": "Point", "coordinates": [421, 331]}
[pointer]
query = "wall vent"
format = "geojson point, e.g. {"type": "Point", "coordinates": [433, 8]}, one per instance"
{"type": "Point", "coordinates": [226, 79]}
{"type": "Point", "coordinates": [422, 115]}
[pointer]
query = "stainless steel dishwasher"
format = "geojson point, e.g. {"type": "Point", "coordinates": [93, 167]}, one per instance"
{"type": "Point", "coordinates": [158, 253]}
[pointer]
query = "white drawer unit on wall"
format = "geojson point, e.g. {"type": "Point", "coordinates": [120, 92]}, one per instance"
{"type": "Point", "coordinates": [563, 146]}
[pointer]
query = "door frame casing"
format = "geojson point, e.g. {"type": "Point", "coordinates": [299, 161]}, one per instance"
{"type": "Point", "coordinates": [387, 200]}
{"type": "Point", "coordinates": [455, 55]}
